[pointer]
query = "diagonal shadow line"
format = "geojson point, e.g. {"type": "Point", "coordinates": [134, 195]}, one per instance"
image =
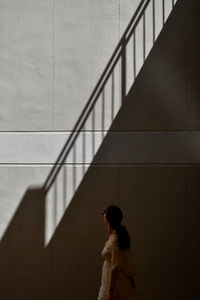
{"type": "Point", "coordinates": [118, 52]}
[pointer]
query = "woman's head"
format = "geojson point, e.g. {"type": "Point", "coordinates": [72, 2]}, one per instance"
{"type": "Point", "coordinates": [113, 215]}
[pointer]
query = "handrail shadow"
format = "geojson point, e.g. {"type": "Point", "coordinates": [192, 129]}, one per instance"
{"type": "Point", "coordinates": [118, 73]}
{"type": "Point", "coordinates": [119, 50]}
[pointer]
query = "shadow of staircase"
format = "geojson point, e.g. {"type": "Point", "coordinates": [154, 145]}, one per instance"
{"type": "Point", "coordinates": [23, 264]}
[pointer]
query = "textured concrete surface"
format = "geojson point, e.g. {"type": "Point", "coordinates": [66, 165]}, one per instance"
{"type": "Point", "coordinates": [193, 104]}
{"type": "Point", "coordinates": [13, 184]}
{"type": "Point", "coordinates": [26, 65]}
{"type": "Point", "coordinates": [159, 99]}
{"type": "Point", "coordinates": [97, 148]}
{"type": "Point", "coordinates": [52, 54]}
{"type": "Point", "coordinates": [163, 221]}
{"type": "Point", "coordinates": [158, 206]}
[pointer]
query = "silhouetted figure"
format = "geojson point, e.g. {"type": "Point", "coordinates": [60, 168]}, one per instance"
{"type": "Point", "coordinates": [117, 282]}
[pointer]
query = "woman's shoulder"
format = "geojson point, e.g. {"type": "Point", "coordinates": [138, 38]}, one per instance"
{"type": "Point", "coordinates": [113, 239]}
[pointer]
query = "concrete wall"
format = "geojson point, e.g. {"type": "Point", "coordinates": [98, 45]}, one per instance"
{"type": "Point", "coordinates": [52, 55]}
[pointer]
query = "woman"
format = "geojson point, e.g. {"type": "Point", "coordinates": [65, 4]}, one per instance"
{"type": "Point", "coordinates": [117, 281]}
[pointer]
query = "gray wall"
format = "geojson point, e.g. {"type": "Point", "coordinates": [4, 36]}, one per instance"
{"type": "Point", "coordinates": [52, 54]}
{"type": "Point", "coordinates": [149, 165]}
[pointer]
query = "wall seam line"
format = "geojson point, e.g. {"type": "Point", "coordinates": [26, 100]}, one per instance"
{"type": "Point", "coordinates": [53, 61]}
{"type": "Point", "coordinates": [119, 13]}
{"type": "Point", "coordinates": [187, 229]}
{"type": "Point", "coordinates": [187, 113]}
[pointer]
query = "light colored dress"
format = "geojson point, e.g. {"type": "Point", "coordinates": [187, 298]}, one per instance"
{"type": "Point", "coordinates": [120, 261]}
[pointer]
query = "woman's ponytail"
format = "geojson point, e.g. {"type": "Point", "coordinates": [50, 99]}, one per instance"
{"type": "Point", "coordinates": [123, 237]}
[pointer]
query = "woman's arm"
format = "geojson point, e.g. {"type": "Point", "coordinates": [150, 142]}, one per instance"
{"type": "Point", "coordinates": [115, 257]}
{"type": "Point", "coordinates": [113, 276]}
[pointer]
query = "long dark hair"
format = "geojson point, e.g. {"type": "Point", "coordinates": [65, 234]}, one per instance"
{"type": "Point", "coordinates": [114, 216]}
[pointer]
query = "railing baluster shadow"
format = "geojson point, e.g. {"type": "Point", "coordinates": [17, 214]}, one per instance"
{"type": "Point", "coordinates": [64, 187]}
{"type": "Point", "coordinates": [144, 37]}
{"type": "Point", "coordinates": [154, 23]}
{"type": "Point", "coordinates": [163, 11]}
{"type": "Point", "coordinates": [112, 96]}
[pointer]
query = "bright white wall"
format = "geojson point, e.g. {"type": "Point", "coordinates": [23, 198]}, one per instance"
{"type": "Point", "coordinates": [52, 54]}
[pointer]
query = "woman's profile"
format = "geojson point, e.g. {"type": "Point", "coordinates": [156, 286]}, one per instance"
{"type": "Point", "coordinates": [117, 282]}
